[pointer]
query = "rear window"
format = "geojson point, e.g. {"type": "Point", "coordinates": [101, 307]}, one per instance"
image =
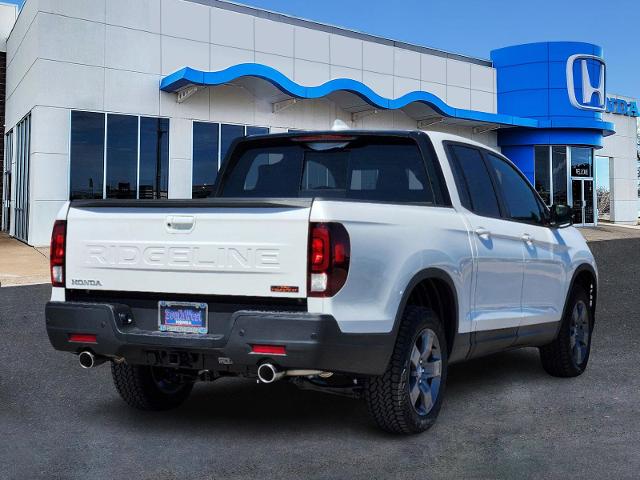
{"type": "Point", "coordinates": [390, 170]}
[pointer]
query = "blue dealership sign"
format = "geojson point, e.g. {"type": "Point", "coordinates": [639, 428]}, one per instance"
{"type": "Point", "coordinates": [583, 94]}
{"type": "Point", "coordinates": [619, 106]}
{"type": "Point", "coordinates": [560, 84]}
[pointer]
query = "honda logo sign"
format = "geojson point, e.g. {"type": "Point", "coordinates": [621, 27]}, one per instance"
{"type": "Point", "coordinates": [588, 87]}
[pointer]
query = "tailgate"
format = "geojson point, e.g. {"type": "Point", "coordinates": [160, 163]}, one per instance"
{"type": "Point", "coordinates": [213, 247]}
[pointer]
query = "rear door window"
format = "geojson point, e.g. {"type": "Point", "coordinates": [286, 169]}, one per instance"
{"type": "Point", "coordinates": [363, 168]}
{"type": "Point", "coordinates": [473, 181]}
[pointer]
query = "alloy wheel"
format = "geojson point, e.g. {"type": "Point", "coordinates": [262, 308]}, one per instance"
{"type": "Point", "coordinates": [579, 332]}
{"type": "Point", "coordinates": [425, 371]}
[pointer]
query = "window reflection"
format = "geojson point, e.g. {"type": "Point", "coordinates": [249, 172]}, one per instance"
{"type": "Point", "coordinates": [581, 161]}
{"type": "Point", "coordinates": [551, 173]}
{"type": "Point", "coordinates": [228, 134]}
{"type": "Point", "coordinates": [257, 130]}
{"type": "Point", "coordinates": [87, 155]}
{"type": "Point", "coordinates": [211, 143]}
{"type": "Point", "coordinates": [559, 166]}
{"type": "Point", "coordinates": [154, 158]}
{"type": "Point", "coordinates": [542, 177]}
{"type": "Point", "coordinates": [122, 156]}
{"type": "Point", "coordinates": [122, 147]}
{"type": "Point", "coordinates": [205, 158]}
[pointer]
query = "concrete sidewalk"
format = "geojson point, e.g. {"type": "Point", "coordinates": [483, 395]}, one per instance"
{"type": "Point", "coordinates": [21, 264]}
{"type": "Point", "coordinates": [608, 231]}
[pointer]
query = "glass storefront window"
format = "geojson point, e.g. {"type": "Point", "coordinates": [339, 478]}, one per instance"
{"type": "Point", "coordinates": [136, 150]}
{"type": "Point", "coordinates": [542, 177]}
{"type": "Point", "coordinates": [228, 133]}
{"type": "Point", "coordinates": [87, 155]}
{"type": "Point", "coordinates": [559, 169]}
{"type": "Point", "coordinates": [581, 162]}
{"type": "Point", "coordinates": [257, 130]}
{"type": "Point", "coordinates": [206, 137]}
{"type": "Point", "coordinates": [553, 178]}
{"type": "Point", "coordinates": [6, 190]}
{"type": "Point", "coordinates": [211, 142]}
{"type": "Point", "coordinates": [122, 156]}
{"type": "Point", "coordinates": [154, 158]}
{"type": "Point", "coordinates": [551, 173]}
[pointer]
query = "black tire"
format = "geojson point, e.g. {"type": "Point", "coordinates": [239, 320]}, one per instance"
{"type": "Point", "coordinates": [559, 358]}
{"type": "Point", "coordinates": [388, 396]}
{"type": "Point", "coordinates": [149, 388]}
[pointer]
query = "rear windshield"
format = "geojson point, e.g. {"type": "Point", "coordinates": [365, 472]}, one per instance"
{"type": "Point", "coordinates": [380, 170]}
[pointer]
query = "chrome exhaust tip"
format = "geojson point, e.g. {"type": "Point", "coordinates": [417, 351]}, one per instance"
{"type": "Point", "coordinates": [89, 360]}
{"type": "Point", "coordinates": [268, 373]}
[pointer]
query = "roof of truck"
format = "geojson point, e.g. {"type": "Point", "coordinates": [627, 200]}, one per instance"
{"type": "Point", "coordinates": [337, 134]}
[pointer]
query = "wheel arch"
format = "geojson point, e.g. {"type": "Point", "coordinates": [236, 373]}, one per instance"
{"type": "Point", "coordinates": [432, 287]}
{"type": "Point", "coordinates": [585, 276]}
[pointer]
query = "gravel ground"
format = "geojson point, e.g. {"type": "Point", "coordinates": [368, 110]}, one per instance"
{"type": "Point", "coordinates": [503, 416]}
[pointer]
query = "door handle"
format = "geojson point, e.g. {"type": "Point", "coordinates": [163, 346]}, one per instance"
{"type": "Point", "coordinates": [483, 233]}
{"type": "Point", "coordinates": [180, 223]}
{"type": "Point", "coordinates": [528, 239]}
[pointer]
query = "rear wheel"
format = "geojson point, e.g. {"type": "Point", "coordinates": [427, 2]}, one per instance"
{"type": "Point", "coordinates": [150, 388]}
{"type": "Point", "coordinates": [568, 354]}
{"type": "Point", "coordinates": [408, 396]}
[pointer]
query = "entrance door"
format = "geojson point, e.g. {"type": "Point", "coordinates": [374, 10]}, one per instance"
{"type": "Point", "coordinates": [6, 179]}
{"type": "Point", "coordinates": [582, 191]}
{"type": "Point", "coordinates": [21, 209]}
{"type": "Point", "coordinates": [583, 202]}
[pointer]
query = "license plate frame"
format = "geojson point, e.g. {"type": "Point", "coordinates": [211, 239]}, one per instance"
{"type": "Point", "coordinates": [186, 310]}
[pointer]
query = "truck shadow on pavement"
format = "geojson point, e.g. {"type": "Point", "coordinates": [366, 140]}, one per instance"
{"type": "Point", "coordinates": [249, 408]}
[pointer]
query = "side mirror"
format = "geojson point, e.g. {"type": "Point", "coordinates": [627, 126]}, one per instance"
{"type": "Point", "coordinates": [561, 216]}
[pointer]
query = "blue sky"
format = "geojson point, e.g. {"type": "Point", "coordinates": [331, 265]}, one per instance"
{"type": "Point", "coordinates": [475, 27]}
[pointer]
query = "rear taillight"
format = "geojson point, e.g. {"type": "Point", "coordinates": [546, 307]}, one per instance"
{"type": "Point", "coordinates": [329, 253]}
{"type": "Point", "coordinates": [57, 252]}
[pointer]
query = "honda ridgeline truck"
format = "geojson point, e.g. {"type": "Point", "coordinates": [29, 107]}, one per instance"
{"type": "Point", "coordinates": [358, 262]}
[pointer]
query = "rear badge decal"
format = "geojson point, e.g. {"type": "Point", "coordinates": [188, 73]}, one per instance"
{"type": "Point", "coordinates": [85, 283]}
{"type": "Point", "coordinates": [284, 289]}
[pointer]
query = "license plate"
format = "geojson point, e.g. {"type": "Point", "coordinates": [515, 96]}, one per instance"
{"type": "Point", "coordinates": [185, 317]}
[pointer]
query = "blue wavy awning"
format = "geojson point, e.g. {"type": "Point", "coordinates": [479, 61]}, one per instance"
{"type": "Point", "coordinates": [192, 77]}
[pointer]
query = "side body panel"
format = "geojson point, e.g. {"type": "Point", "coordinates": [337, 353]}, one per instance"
{"type": "Point", "coordinates": [390, 244]}
{"type": "Point", "coordinates": [549, 263]}
{"type": "Point", "coordinates": [548, 270]}
{"type": "Point", "coordinates": [499, 267]}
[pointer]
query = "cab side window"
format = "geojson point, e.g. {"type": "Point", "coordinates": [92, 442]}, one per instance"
{"type": "Point", "coordinates": [521, 201]}
{"type": "Point", "coordinates": [473, 181]}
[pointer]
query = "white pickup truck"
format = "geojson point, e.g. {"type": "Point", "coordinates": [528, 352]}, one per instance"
{"type": "Point", "coordinates": [359, 262]}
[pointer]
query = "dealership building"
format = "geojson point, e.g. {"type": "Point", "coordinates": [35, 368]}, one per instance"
{"type": "Point", "coordinates": [141, 99]}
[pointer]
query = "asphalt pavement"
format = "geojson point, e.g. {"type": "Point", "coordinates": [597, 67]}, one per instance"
{"type": "Point", "coordinates": [503, 417]}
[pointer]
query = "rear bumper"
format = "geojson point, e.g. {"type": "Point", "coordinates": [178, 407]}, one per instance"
{"type": "Point", "coordinates": [312, 341]}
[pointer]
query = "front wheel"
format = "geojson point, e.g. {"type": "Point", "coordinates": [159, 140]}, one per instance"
{"type": "Point", "coordinates": [568, 354]}
{"type": "Point", "coordinates": [408, 396]}
{"type": "Point", "coordinates": [150, 388]}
